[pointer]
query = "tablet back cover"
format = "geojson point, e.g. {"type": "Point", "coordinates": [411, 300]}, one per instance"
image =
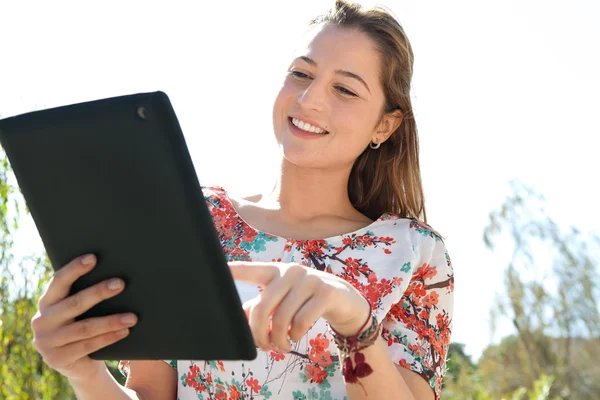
{"type": "Point", "coordinates": [114, 177]}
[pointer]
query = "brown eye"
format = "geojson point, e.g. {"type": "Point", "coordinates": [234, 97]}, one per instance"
{"type": "Point", "coordinates": [346, 91]}
{"type": "Point", "coordinates": [300, 75]}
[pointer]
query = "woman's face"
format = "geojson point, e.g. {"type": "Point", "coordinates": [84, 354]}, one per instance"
{"type": "Point", "coordinates": [333, 85]}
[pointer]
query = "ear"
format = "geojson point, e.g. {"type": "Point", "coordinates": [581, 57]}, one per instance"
{"type": "Point", "coordinates": [388, 125]}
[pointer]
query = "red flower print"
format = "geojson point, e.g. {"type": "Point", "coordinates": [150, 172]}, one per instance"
{"type": "Point", "coordinates": [234, 393]}
{"type": "Point", "coordinates": [320, 358]}
{"type": "Point", "coordinates": [387, 251]}
{"type": "Point", "coordinates": [418, 290]}
{"type": "Point", "coordinates": [209, 378]}
{"type": "Point", "coordinates": [221, 395]}
{"type": "Point", "coordinates": [372, 277]}
{"type": "Point", "coordinates": [253, 384]}
{"type": "Point", "coordinates": [347, 241]}
{"type": "Point", "coordinates": [319, 343]}
{"type": "Point", "coordinates": [396, 281]}
{"type": "Point", "coordinates": [316, 374]}
{"type": "Point", "coordinates": [352, 266]}
{"type": "Point", "coordinates": [404, 364]}
{"type": "Point", "coordinates": [424, 314]}
{"type": "Point", "coordinates": [221, 366]}
{"type": "Point", "coordinates": [277, 354]}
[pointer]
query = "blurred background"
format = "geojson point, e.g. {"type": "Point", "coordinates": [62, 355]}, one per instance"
{"type": "Point", "coordinates": [505, 95]}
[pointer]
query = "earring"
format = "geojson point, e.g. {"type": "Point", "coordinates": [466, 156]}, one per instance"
{"type": "Point", "coordinates": [376, 145]}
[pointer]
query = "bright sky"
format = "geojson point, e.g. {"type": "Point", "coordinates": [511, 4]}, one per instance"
{"type": "Point", "coordinates": [501, 90]}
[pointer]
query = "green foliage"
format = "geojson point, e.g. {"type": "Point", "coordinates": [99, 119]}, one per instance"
{"type": "Point", "coordinates": [23, 374]}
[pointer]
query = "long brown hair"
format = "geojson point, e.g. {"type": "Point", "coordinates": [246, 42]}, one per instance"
{"type": "Point", "coordinates": [387, 179]}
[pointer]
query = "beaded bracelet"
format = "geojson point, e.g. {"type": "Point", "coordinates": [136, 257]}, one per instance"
{"type": "Point", "coordinates": [361, 340]}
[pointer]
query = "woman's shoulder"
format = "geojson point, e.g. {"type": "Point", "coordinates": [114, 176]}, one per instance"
{"type": "Point", "coordinates": [396, 222]}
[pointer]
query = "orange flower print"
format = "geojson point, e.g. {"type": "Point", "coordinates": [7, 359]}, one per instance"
{"type": "Point", "coordinates": [426, 272]}
{"type": "Point", "coordinates": [221, 366]}
{"type": "Point", "coordinates": [430, 300]}
{"type": "Point", "coordinates": [404, 364]}
{"type": "Point", "coordinates": [387, 251]}
{"type": "Point", "coordinates": [253, 384]}
{"type": "Point", "coordinates": [316, 374]}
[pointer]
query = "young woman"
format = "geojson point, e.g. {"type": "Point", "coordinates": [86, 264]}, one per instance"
{"type": "Point", "coordinates": [350, 293]}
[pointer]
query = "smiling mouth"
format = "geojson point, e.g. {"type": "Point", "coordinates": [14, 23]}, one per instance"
{"type": "Point", "coordinates": [307, 127]}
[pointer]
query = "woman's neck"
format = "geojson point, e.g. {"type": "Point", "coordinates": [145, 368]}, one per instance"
{"type": "Point", "coordinates": [303, 194]}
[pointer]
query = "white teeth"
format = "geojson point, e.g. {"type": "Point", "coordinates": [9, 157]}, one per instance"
{"type": "Point", "coordinates": [307, 127]}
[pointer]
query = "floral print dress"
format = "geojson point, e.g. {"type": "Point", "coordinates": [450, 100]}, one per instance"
{"type": "Point", "coordinates": [400, 265]}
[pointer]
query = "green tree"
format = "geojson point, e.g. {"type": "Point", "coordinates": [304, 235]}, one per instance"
{"type": "Point", "coordinates": [552, 290]}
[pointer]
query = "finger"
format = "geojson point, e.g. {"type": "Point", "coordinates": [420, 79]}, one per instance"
{"type": "Point", "coordinates": [82, 301]}
{"type": "Point", "coordinates": [306, 317]}
{"type": "Point", "coordinates": [285, 312]}
{"type": "Point", "coordinates": [72, 352]}
{"type": "Point", "coordinates": [253, 272]}
{"type": "Point", "coordinates": [89, 328]}
{"type": "Point", "coordinates": [270, 298]}
{"type": "Point", "coordinates": [63, 279]}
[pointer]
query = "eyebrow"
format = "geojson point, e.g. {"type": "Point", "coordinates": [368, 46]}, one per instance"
{"type": "Point", "coordinates": [338, 71]}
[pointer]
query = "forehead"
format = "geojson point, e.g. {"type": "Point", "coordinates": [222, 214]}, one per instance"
{"type": "Point", "coordinates": [341, 48]}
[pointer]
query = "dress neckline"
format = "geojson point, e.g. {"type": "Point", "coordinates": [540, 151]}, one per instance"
{"type": "Point", "coordinates": [386, 216]}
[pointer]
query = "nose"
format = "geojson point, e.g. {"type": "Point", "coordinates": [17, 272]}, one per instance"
{"type": "Point", "coordinates": [313, 97]}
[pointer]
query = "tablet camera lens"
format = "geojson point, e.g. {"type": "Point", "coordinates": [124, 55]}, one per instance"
{"type": "Point", "coordinates": [141, 112]}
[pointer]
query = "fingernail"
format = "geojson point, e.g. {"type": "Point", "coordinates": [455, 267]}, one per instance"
{"type": "Point", "coordinates": [87, 259]}
{"type": "Point", "coordinates": [122, 332]}
{"type": "Point", "coordinates": [128, 319]}
{"type": "Point", "coordinates": [115, 284]}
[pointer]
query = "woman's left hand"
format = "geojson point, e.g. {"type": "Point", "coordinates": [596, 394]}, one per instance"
{"type": "Point", "coordinates": [294, 297]}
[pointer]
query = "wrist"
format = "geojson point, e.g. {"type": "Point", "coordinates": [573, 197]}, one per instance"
{"type": "Point", "coordinates": [359, 322]}
{"type": "Point", "coordinates": [96, 372]}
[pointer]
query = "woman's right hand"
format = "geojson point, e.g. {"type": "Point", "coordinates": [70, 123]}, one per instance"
{"type": "Point", "coordinates": [65, 343]}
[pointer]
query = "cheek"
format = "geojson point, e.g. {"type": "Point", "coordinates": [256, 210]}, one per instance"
{"type": "Point", "coordinates": [282, 103]}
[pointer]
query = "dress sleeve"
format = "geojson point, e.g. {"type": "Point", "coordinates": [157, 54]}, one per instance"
{"type": "Point", "coordinates": [418, 327]}
{"type": "Point", "coordinates": [124, 366]}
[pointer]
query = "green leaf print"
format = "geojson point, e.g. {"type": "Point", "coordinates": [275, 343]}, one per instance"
{"type": "Point", "coordinates": [265, 392]}
{"type": "Point", "coordinates": [298, 395]}
{"type": "Point", "coordinates": [304, 375]}
{"type": "Point", "coordinates": [212, 364]}
{"type": "Point", "coordinates": [331, 368]}
{"type": "Point", "coordinates": [173, 363]}
{"type": "Point", "coordinates": [237, 384]}
{"type": "Point", "coordinates": [312, 394]}
{"type": "Point", "coordinates": [405, 267]}
{"type": "Point", "coordinates": [325, 384]}
{"type": "Point", "coordinates": [183, 382]}
{"type": "Point", "coordinates": [325, 395]}
{"type": "Point", "coordinates": [200, 396]}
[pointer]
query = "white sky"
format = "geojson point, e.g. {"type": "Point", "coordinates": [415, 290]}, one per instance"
{"type": "Point", "coordinates": [502, 90]}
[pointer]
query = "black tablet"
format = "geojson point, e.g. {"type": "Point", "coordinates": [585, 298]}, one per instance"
{"type": "Point", "coordinates": [114, 177]}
